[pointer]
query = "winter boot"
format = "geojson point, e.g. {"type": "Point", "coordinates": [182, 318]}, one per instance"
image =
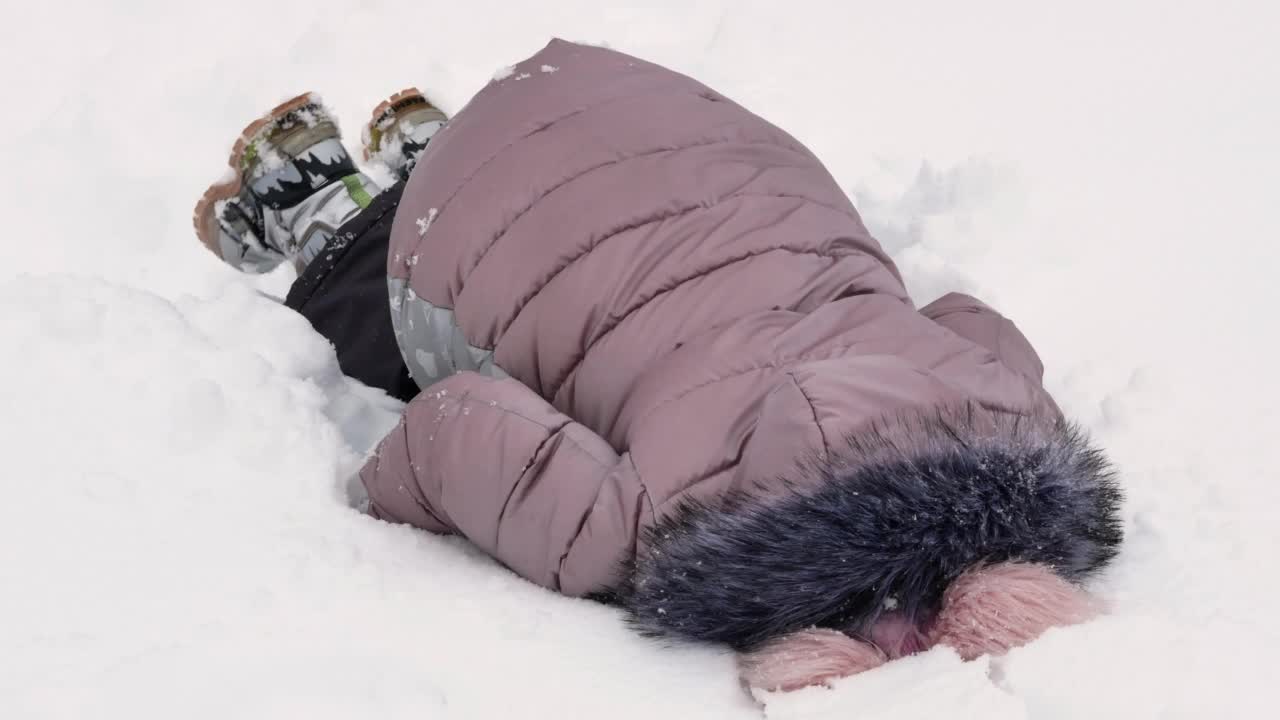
{"type": "Point", "coordinates": [400, 129]}
{"type": "Point", "coordinates": [291, 185]}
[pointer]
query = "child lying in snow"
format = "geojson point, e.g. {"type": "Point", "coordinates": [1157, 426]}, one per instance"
{"type": "Point", "coordinates": [664, 364]}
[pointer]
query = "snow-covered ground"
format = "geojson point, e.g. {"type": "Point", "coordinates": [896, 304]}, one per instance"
{"type": "Point", "coordinates": [174, 534]}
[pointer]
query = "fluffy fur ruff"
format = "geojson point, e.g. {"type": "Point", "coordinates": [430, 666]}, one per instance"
{"type": "Point", "coordinates": [890, 523]}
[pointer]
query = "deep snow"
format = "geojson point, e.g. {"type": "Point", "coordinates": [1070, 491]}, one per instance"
{"type": "Point", "coordinates": [175, 539]}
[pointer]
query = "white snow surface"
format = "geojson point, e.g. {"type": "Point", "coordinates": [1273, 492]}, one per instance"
{"type": "Point", "coordinates": [176, 538]}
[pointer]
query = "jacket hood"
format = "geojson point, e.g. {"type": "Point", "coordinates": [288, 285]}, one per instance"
{"type": "Point", "coordinates": [903, 509]}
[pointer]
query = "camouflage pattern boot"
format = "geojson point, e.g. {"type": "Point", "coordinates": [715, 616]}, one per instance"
{"type": "Point", "coordinates": [290, 187]}
{"type": "Point", "coordinates": [400, 129]}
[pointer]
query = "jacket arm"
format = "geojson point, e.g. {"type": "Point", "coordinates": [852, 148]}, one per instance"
{"type": "Point", "coordinates": [977, 322]}
{"type": "Point", "coordinates": [493, 461]}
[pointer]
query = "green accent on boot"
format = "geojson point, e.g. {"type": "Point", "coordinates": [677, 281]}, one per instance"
{"type": "Point", "coordinates": [356, 190]}
{"type": "Point", "coordinates": [249, 158]}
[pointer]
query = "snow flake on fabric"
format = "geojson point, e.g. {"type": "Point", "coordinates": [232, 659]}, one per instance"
{"type": "Point", "coordinates": [424, 223]}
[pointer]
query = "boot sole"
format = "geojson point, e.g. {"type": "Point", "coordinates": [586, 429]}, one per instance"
{"type": "Point", "coordinates": [205, 216]}
{"type": "Point", "coordinates": [385, 109]}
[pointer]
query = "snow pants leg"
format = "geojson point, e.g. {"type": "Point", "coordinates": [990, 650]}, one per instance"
{"type": "Point", "coordinates": [343, 293]}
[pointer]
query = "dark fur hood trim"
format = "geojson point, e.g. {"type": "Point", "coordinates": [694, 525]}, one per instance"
{"type": "Point", "coordinates": [899, 514]}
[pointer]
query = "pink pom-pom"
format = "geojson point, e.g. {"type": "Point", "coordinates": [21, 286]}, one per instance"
{"type": "Point", "coordinates": [989, 610]}
{"type": "Point", "coordinates": [808, 657]}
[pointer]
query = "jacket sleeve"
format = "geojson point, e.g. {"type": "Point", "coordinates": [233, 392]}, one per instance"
{"type": "Point", "coordinates": [974, 320]}
{"type": "Point", "coordinates": [493, 461]}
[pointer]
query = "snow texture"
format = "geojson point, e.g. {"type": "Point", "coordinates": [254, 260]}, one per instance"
{"type": "Point", "coordinates": [177, 538]}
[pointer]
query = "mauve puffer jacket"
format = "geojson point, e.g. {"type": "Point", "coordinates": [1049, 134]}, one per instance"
{"type": "Point", "coordinates": [627, 296]}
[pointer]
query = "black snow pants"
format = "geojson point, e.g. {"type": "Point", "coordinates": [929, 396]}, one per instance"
{"type": "Point", "coordinates": [343, 293]}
